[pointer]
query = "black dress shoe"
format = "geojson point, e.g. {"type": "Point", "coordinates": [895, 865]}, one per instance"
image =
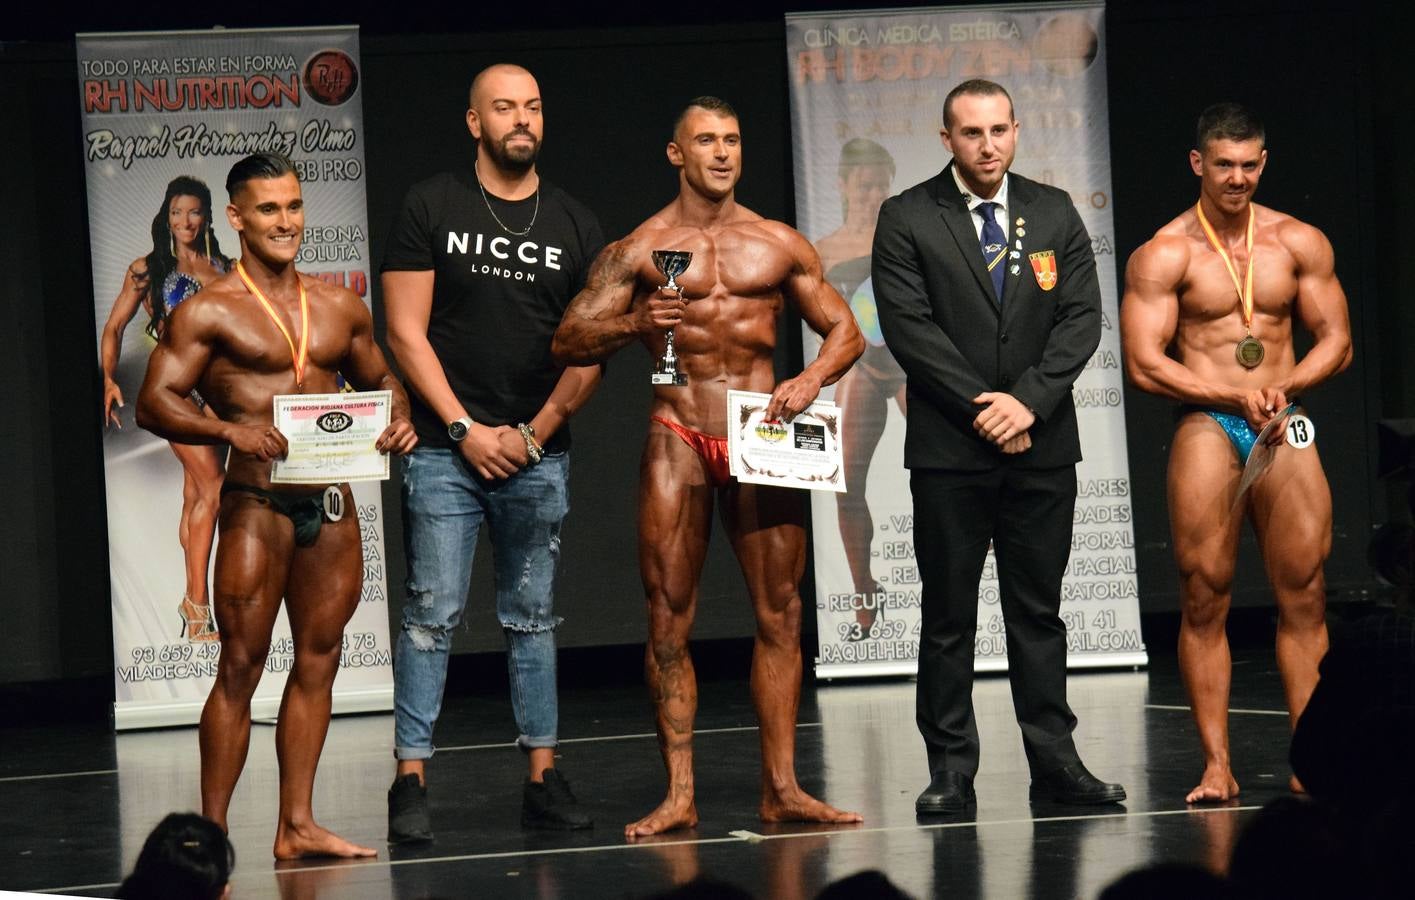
{"type": "Point", "coordinates": [948, 792]}
{"type": "Point", "coordinates": [1073, 784]}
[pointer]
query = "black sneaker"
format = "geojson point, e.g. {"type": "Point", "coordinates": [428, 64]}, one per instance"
{"type": "Point", "coordinates": [551, 806]}
{"type": "Point", "coordinates": [407, 811]}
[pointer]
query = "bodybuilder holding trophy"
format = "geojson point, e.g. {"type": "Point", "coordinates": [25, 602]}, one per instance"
{"type": "Point", "coordinates": [741, 272]}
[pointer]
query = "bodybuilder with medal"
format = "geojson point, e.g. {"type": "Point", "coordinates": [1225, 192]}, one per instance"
{"type": "Point", "coordinates": [1207, 320]}
{"type": "Point", "coordinates": [261, 330]}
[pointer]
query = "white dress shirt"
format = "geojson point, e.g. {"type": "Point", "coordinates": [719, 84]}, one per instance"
{"type": "Point", "coordinates": [974, 201]}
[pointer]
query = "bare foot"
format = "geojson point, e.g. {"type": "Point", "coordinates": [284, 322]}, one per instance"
{"type": "Point", "coordinates": [296, 842]}
{"type": "Point", "coordinates": [1216, 786]}
{"type": "Point", "coordinates": [795, 805]}
{"type": "Point", "coordinates": [676, 811]}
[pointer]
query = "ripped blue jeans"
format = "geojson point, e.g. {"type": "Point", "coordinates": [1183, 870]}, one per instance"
{"type": "Point", "coordinates": [444, 506]}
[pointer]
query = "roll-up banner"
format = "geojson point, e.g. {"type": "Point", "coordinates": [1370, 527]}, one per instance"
{"type": "Point", "coordinates": [165, 115]}
{"type": "Point", "coordinates": [867, 92]}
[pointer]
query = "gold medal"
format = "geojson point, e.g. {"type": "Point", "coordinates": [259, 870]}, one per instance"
{"type": "Point", "coordinates": [1250, 352]}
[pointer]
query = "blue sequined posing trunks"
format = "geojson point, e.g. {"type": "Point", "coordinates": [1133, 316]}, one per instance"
{"type": "Point", "coordinates": [1239, 432]}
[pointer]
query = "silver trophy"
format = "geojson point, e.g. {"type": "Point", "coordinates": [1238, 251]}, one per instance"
{"type": "Point", "coordinates": [671, 263]}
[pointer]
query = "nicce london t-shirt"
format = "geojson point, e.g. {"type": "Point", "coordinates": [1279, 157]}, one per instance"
{"type": "Point", "coordinates": [498, 296]}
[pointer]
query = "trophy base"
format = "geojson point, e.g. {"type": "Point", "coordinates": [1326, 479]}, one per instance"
{"type": "Point", "coordinates": [676, 379]}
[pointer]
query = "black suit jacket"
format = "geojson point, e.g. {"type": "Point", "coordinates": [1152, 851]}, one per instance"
{"type": "Point", "coordinates": [943, 322]}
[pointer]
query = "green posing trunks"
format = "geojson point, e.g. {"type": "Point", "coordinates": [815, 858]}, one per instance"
{"type": "Point", "coordinates": [305, 511]}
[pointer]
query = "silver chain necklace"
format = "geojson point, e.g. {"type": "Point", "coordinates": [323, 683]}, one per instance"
{"type": "Point", "coordinates": [487, 200]}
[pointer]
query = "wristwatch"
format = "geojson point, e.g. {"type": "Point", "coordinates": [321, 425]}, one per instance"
{"type": "Point", "coordinates": [458, 428]}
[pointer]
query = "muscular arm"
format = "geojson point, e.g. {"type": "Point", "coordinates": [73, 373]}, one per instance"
{"type": "Point", "coordinates": [571, 392]}
{"type": "Point", "coordinates": [576, 383]}
{"type": "Point", "coordinates": [1149, 315]}
{"type": "Point", "coordinates": [1321, 307]}
{"type": "Point", "coordinates": [599, 321]}
{"type": "Point", "coordinates": [173, 370]}
{"type": "Point", "coordinates": [125, 306]}
{"type": "Point", "coordinates": [936, 368]}
{"type": "Point", "coordinates": [827, 314]}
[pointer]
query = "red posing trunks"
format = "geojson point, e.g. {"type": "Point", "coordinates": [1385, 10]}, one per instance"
{"type": "Point", "coordinates": [711, 449]}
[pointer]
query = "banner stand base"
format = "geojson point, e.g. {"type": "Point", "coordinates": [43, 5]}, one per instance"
{"type": "Point", "coordinates": [832, 671]}
{"type": "Point", "coordinates": [128, 716]}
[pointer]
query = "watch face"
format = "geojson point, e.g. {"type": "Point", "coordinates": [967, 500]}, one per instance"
{"type": "Point", "coordinates": [457, 430]}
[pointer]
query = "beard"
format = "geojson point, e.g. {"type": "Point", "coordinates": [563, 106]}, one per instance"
{"type": "Point", "coordinates": [517, 159]}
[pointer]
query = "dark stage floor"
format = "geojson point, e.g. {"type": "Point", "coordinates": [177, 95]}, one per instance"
{"type": "Point", "coordinates": [76, 802]}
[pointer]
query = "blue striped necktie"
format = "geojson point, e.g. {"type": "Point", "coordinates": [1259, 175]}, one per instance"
{"type": "Point", "coordinates": [994, 246]}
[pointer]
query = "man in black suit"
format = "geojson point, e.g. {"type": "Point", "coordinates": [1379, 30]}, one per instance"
{"type": "Point", "coordinates": [987, 296]}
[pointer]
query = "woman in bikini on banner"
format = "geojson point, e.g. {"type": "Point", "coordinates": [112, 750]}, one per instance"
{"type": "Point", "coordinates": [185, 255]}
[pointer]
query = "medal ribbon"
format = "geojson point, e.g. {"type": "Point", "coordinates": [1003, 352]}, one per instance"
{"type": "Point", "coordinates": [300, 357]}
{"type": "Point", "coordinates": [1245, 288]}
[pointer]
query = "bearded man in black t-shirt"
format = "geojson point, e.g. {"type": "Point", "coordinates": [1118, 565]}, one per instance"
{"type": "Point", "coordinates": [480, 266]}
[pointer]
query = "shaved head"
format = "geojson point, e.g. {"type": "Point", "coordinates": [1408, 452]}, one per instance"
{"type": "Point", "coordinates": [713, 105]}
{"type": "Point", "coordinates": [504, 116]}
{"type": "Point", "coordinates": [486, 77]}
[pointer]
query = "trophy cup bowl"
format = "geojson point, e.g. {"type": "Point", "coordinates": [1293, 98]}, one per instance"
{"type": "Point", "coordinates": [671, 263]}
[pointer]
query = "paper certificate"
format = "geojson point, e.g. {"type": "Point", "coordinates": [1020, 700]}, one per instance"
{"type": "Point", "coordinates": [332, 437]}
{"type": "Point", "coordinates": [802, 453]}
